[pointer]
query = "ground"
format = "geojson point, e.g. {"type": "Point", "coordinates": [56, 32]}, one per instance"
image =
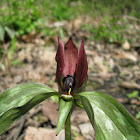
{"type": "Point", "coordinates": [113, 68]}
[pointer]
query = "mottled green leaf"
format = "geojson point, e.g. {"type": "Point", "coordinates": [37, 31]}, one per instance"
{"type": "Point", "coordinates": [16, 101]}
{"type": "Point", "coordinates": [88, 108]}
{"type": "Point", "coordinates": [111, 120]}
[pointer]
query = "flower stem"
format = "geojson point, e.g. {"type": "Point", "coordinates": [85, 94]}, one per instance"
{"type": "Point", "coordinates": [68, 128]}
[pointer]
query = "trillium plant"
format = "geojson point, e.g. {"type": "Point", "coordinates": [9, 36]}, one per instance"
{"type": "Point", "coordinates": [108, 117]}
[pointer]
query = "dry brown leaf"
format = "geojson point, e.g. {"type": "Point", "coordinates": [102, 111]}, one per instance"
{"type": "Point", "coordinates": [126, 45]}
{"type": "Point", "coordinates": [126, 55]}
{"type": "Point", "coordinates": [130, 85]}
{"type": "Point", "coordinates": [33, 133]}
{"type": "Point", "coordinates": [50, 110]}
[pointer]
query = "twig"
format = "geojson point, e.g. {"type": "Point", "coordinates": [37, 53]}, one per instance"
{"type": "Point", "coordinates": [103, 75]}
{"type": "Point", "coordinates": [19, 129]}
{"type": "Point", "coordinates": [131, 85]}
{"type": "Point", "coordinates": [15, 132]}
{"type": "Point", "coordinates": [131, 18]}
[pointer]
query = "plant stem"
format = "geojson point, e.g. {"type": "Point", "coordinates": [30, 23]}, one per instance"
{"type": "Point", "coordinates": [68, 128]}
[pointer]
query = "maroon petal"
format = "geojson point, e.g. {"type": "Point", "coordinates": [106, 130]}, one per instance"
{"type": "Point", "coordinates": [82, 66]}
{"type": "Point", "coordinates": [60, 61]}
{"type": "Point", "coordinates": [70, 58]}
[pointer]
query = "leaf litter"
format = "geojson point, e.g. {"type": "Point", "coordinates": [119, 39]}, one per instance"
{"type": "Point", "coordinates": [113, 69]}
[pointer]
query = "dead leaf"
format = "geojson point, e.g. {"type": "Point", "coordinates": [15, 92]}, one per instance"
{"type": "Point", "coordinates": [126, 55]}
{"type": "Point", "coordinates": [33, 133]}
{"type": "Point", "coordinates": [50, 110]}
{"type": "Point", "coordinates": [79, 116]}
{"type": "Point", "coordinates": [130, 85]}
{"type": "Point", "coordinates": [126, 45]}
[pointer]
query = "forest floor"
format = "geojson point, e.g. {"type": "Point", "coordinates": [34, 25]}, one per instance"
{"type": "Point", "coordinates": [114, 68]}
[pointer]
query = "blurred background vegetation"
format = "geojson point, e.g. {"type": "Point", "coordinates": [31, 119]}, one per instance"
{"type": "Point", "coordinates": [22, 17]}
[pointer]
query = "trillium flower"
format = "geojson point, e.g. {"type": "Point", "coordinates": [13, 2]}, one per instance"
{"type": "Point", "coordinates": [72, 66]}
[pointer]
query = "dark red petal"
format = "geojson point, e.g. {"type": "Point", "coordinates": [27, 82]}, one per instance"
{"type": "Point", "coordinates": [60, 61]}
{"type": "Point", "coordinates": [82, 66]}
{"type": "Point", "coordinates": [70, 57]}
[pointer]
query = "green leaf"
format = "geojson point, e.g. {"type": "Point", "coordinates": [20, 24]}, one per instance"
{"type": "Point", "coordinates": [1, 33]}
{"type": "Point", "coordinates": [11, 33]}
{"type": "Point", "coordinates": [64, 110]}
{"type": "Point", "coordinates": [61, 32]}
{"type": "Point", "coordinates": [88, 109]}
{"type": "Point", "coordinates": [138, 115]}
{"type": "Point", "coordinates": [16, 101]}
{"type": "Point", "coordinates": [111, 120]}
{"type": "Point", "coordinates": [133, 94]}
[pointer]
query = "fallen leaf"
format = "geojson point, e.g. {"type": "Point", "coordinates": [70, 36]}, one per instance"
{"type": "Point", "coordinates": [49, 109]}
{"type": "Point", "coordinates": [33, 133]}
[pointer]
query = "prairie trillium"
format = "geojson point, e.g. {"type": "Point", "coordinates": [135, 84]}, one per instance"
{"type": "Point", "coordinates": [72, 66]}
